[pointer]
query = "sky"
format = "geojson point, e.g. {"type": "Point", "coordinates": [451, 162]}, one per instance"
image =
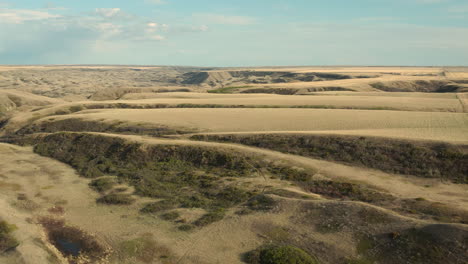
{"type": "Point", "coordinates": [235, 33]}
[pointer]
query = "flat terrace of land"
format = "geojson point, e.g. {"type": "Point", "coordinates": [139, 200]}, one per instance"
{"type": "Point", "coordinates": [407, 101]}
{"type": "Point", "coordinates": [450, 127]}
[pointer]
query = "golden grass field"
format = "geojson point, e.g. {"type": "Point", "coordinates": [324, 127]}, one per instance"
{"type": "Point", "coordinates": [351, 165]}
{"type": "Point", "coordinates": [416, 125]}
{"type": "Point", "coordinates": [372, 100]}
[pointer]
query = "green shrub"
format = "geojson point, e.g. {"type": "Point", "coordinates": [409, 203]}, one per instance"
{"type": "Point", "coordinates": [7, 241]}
{"type": "Point", "coordinates": [170, 216]}
{"type": "Point", "coordinates": [290, 173]}
{"type": "Point", "coordinates": [279, 255]}
{"type": "Point", "coordinates": [228, 197]}
{"type": "Point", "coordinates": [158, 206]}
{"type": "Point", "coordinates": [102, 184]}
{"type": "Point", "coordinates": [186, 227]}
{"type": "Point", "coordinates": [193, 201]}
{"type": "Point", "coordinates": [211, 217]}
{"type": "Point", "coordinates": [261, 203]}
{"type": "Point", "coordinates": [227, 90]}
{"type": "Point", "coordinates": [117, 199]}
{"type": "Point", "coordinates": [283, 91]}
{"type": "Point", "coordinates": [347, 190]}
{"type": "Point", "coordinates": [76, 108]}
{"type": "Point", "coordinates": [62, 112]}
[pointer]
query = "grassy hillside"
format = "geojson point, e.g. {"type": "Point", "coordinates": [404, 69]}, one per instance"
{"type": "Point", "coordinates": [425, 159]}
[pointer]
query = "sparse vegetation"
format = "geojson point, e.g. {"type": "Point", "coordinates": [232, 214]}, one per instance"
{"type": "Point", "coordinates": [417, 245]}
{"type": "Point", "coordinates": [261, 202]}
{"type": "Point", "coordinates": [145, 249]}
{"type": "Point", "coordinates": [116, 199]}
{"type": "Point", "coordinates": [346, 190]}
{"type": "Point", "coordinates": [430, 160]}
{"type": "Point", "coordinates": [186, 227]}
{"type": "Point", "coordinates": [7, 240]}
{"type": "Point", "coordinates": [170, 216]}
{"type": "Point", "coordinates": [417, 86]}
{"type": "Point", "coordinates": [159, 206]}
{"type": "Point", "coordinates": [436, 210]}
{"type": "Point", "coordinates": [190, 177]}
{"type": "Point", "coordinates": [103, 184]}
{"type": "Point", "coordinates": [283, 91]}
{"type": "Point", "coordinates": [227, 90]}
{"type": "Point", "coordinates": [211, 217]}
{"type": "Point", "coordinates": [81, 125]}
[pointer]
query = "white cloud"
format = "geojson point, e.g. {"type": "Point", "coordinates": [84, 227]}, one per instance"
{"type": "Point", "coordinates": [18, 16]}
{"type": "Point", "coordinates": [109, 12]}
{"type": "Point", "coordinates": [156, 37]}
{"type": "Point", "coordinates": [224, 19]}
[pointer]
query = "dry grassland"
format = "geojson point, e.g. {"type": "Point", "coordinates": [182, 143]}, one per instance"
{"type": "Point", "coordinates": [417, 125]}
{"type": "Point", "coordinates": [187, 165]}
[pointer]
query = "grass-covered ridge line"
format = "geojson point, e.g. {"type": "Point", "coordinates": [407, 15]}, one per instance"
{"type": "Point", "coordinates": [182, 176]}
{"type": "Point", "coordinates": [227, 90]}
{"type": "Point", "coordinates": [191, 176]}
{"type": "Point", "coordinates": [82, 107]}
{"type": "Point", "coordinates": [424, 159]}
{"type": "Point", "coordinates": [82, 125]}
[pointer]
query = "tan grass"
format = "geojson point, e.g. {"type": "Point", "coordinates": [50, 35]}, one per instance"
{"type": "Point", "coordinates": [418, 125]}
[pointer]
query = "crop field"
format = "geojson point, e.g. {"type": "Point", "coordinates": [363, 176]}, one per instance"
{"type": "Point", "coordinates": [190, 165]}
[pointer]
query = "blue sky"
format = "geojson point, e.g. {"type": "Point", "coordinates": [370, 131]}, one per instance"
{"type": "Point", "coordinates": [234, 33]}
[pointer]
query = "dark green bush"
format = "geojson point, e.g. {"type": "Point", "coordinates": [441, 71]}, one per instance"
{"type": "Point", "coordinates": [291, 174]}
{"type": "Point", "coordinates": [102, 184]}
{"type": "Point", "coordinates": [346, 190]}
{"type": "Point", "coordinates": [159, 206]}
{"type": "Point", "coordinates": [228, 197]}
{"type": "Point", "coordinates": [261, 203]}
{"type": "Point", "coordinates": [170, 216]}
{"type": "Point", "coordinates": [186, 227]}
{"type": "Point", "coordinates": [211, 217]}
{"type": "Point", "coordinates": [117, 199]}
{"type": "Point", "coordinates": [76, 108]}
{"type": "Point", "coordinates": [279, 255]}
{"type": "Point", "coordinates": [227, 90]}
